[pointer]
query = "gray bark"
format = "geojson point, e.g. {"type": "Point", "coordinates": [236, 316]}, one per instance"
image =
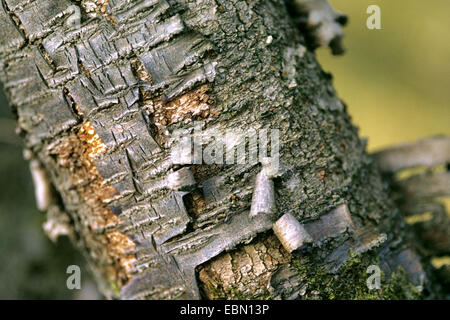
{"type": "Point", "coordinates": [96, 105]}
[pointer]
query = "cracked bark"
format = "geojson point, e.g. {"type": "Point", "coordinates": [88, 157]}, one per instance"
{"type": "Point", "coordinates": [97, 104]}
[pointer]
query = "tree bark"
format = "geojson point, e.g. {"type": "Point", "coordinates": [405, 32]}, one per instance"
{"type": "Point", "coordinates": [97, 103]}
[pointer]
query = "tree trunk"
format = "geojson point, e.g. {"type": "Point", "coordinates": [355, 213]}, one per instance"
{"type": "Point", "coordinates": [98, 99]}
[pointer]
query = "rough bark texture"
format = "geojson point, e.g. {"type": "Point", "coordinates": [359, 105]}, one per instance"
{"type": "Point", "coordinates": [97, 103]}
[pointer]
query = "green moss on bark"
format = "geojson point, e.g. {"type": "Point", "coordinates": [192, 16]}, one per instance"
{"type": "Point", "coordinates": [350, 283]}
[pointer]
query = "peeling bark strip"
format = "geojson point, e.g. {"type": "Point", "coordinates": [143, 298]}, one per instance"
{"type": "Point", "coordinates": [418, 194]}
{"type": "Point", "coordinates": [97, 102]}
{"type": "Point", "coordinates": [427, 152]}
{"type": "Point", "coordinates": [294, 235]}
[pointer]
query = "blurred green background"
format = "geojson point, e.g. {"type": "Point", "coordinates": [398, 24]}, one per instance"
{"type": "Point", "coordinates": [395, 81]}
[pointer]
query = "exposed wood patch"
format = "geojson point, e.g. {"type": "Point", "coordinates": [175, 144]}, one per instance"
{"type": "Point", "coordinates": [194, 203]}
{"type": "Point", "coordinates": [92, 142]}
{"type": "Point", "coordinates": [94, 7]}
{"type": "Point", "coordinates": [195, 105]}
{"type": "Point", "coordinates": [191, 106]}
{"type": "Point", "coordinates": [75, 153]}
{"type": "Point", "coordinates": [140, 70]}
{"type": "Point", "coordinates": [232, 275]}
{"type": "Point", "coordinates": [118, 246]}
